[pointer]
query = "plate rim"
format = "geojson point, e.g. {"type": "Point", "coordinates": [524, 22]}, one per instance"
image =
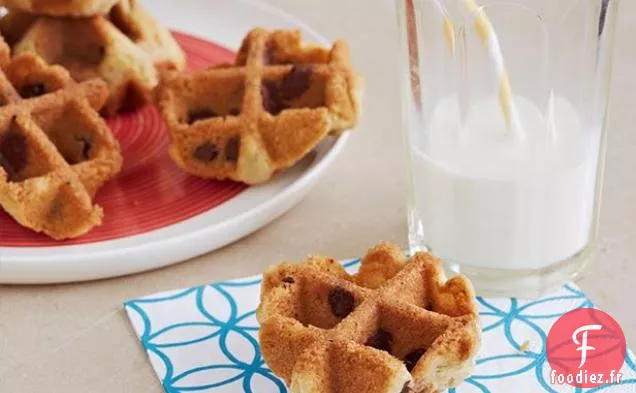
{"type": "Point", "coordinates": [17, 262]}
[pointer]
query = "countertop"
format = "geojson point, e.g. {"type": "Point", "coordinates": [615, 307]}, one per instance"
{"type": "Point", "coordinates": [76, 339]}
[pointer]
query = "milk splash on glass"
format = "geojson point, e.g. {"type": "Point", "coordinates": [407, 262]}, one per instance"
{"type": "Point", "coordinates": [505, 112]}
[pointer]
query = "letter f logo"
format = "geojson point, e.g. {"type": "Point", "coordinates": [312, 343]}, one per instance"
{"type": "Point", "coordinates": [583, 345]}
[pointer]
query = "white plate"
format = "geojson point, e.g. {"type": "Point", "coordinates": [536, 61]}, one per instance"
{"type": "Point", "coordinates": [223, 22]}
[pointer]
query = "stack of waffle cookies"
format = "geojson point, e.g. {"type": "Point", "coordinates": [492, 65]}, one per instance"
{"type": "Point", "coordinates": [56, 151]}
{"type": "Point", "coordinates": [115, 40]}
{"type": "Point", "coordinates": [65, 64]}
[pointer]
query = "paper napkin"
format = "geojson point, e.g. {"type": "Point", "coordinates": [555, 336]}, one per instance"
{"type": "Point", "coordinates": [205, 339]}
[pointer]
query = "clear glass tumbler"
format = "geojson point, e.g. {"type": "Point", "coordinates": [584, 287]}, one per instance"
{"type": "Point", "coordinates": [505, 107]}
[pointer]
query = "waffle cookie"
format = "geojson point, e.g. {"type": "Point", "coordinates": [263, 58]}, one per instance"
{"type": "Point", "coordinates": [55, 149]}
{"type": "Point", "coordinates": [323, 333]}
{"type": "Point", "coordinates": [72, 8]}
{"type": "Point", "coordinates": [246, 121]}
{"type": "Point", "coordinates": [127, 48]}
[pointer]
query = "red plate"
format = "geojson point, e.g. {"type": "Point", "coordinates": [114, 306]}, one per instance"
{"type": "Point", "coordinates": [151, 192]}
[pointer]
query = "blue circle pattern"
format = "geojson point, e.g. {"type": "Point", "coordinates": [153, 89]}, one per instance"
{"type": "Point", "coordinates": [501, 320]}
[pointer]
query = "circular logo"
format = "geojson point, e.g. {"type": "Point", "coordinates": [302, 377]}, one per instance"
{"type": "Point", "coordinates": [586, 348]}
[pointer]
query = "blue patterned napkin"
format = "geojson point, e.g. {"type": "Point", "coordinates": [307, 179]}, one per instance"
{"type": "Point", "coordinates": [205, 339]}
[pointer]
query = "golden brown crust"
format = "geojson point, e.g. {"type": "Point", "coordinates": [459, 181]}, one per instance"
{"type": "Point", "coordinates": [261, 115]}
{"type": "Point", "coordinates": [410, 328]}
{"type": "Point", "coordinates": [127, 48]}
{"type": "Point", "coordinates": [73, 8]}
{"type": "Point", "coordinates": [379, 265]}
{"type": "Point", "coordinates": [5, 52]}
{"type": "Point", "coordinates": [55, 149]}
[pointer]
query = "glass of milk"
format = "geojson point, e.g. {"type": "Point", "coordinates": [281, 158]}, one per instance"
{"type": "Point", "coordinates": [505, 117]}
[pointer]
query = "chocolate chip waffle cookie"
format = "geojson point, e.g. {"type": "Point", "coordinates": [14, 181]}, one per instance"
{"type": "Point", "coordinates": [55, 149]}
{"type": "Point", "coordinates": [246, 121]}
{"type": "Point", "coordinates": [73, 8]}
{"type": "Point", "coordinates": [322, 333]}
{"type": "Point", "coordinates": [127, 48]}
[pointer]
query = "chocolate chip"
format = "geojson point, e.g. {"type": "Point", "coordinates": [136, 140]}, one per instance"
{"type": "Point", "coordinates": [201, 114]}
{"type": "Point", "coordinates": [412, 358]}
{"type": "Point", "coordinates": [206, 152]}
{"type": "Point", "coordinates": [341, 302]}
{"type": "Point", "coordinates": [13, 153]}
{"type": "Point", "coordinates": [269, 55]}
{"type": "Point", "coordinates": [55, 213]}
{"type": "Point", "coordinates": [232, 148]}
{"type": "Point", "coordinates": [289, 280]}
{"type": "Point", "coordinates": [271, 97]}
{"type": "Point", "coordinates": [406, 388]}
{"type": "Point", "coordinates": [32, 90]}
{"type": "Point", "coordinates": [380, 340]}
{"type": "Point", "coordinates": [235, 112]}
{"type": "Point", "coordinates": [86, 144]}
{"type": "Point", "coordinates": [296, 82]}
{"type": "Point", "coordinates": [87, 149]}
{"type": "Point", "coordinates": [134, 98]}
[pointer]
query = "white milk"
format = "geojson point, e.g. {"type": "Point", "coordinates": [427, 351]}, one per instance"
{"type": "Point", "coordinates": [489, 200]}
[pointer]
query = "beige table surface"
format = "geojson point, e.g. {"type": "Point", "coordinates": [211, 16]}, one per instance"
{"type": "Point", "coordinates": [75, 338]}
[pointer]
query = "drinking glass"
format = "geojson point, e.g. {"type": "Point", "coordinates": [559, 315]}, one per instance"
{"type": "Point", "coordinates": [505, 109]}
